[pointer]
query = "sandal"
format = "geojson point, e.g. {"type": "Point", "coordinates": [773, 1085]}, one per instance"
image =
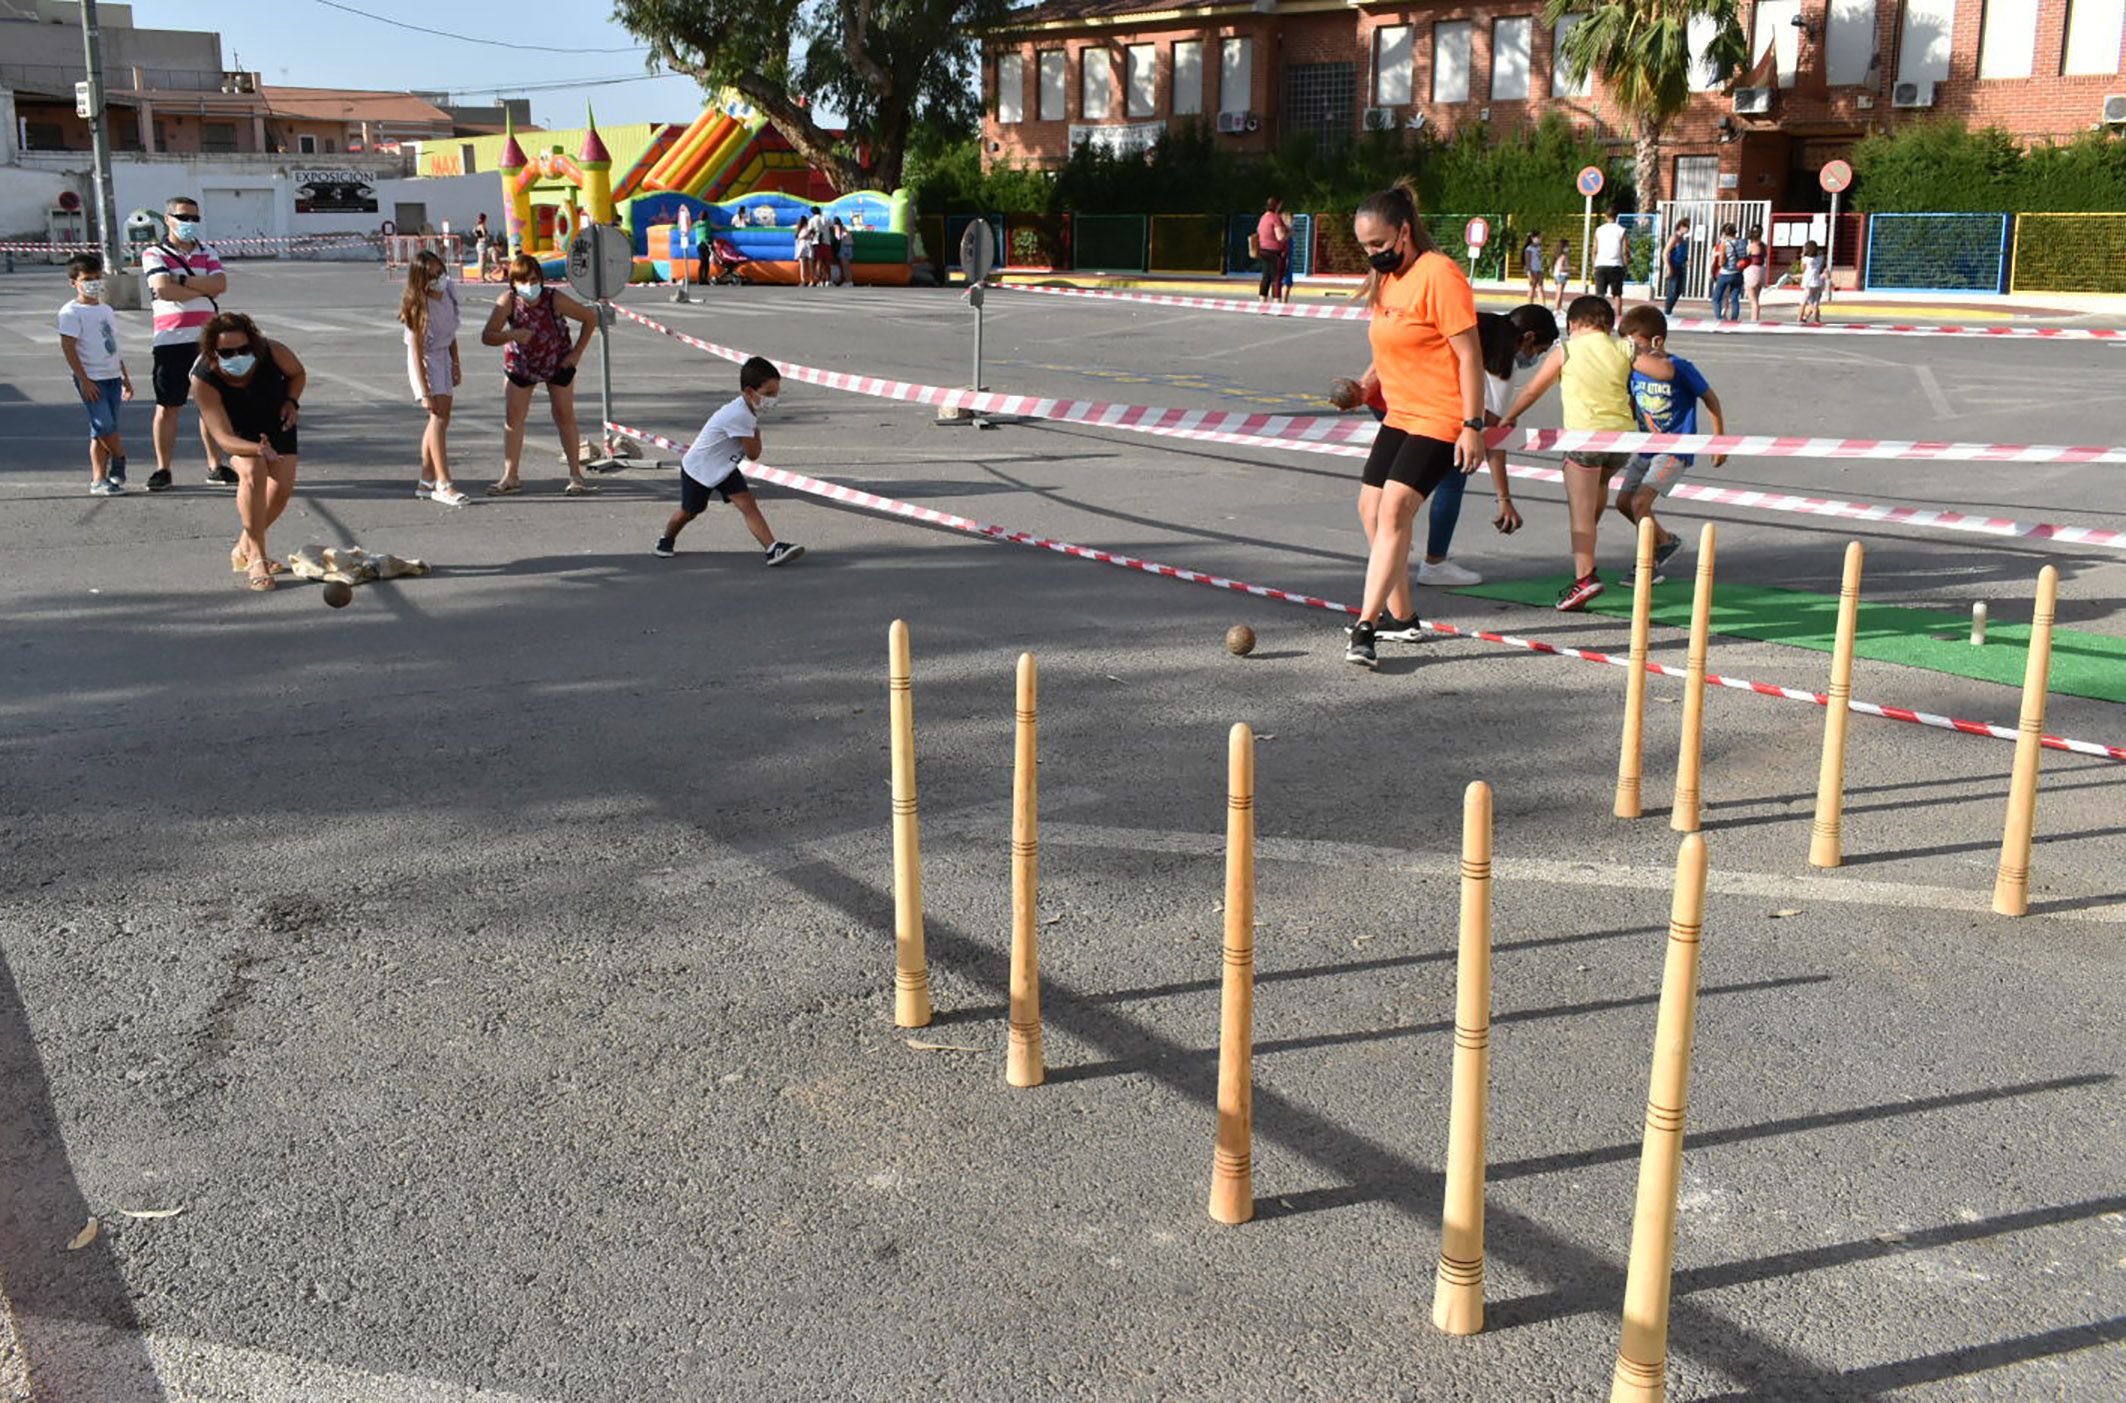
{"type": "Point", "coordinates": [261, 581]}
{"type": "Point", "coordinates": [577, 487]}
{"type": "Point", "coordinates": [238, 563]}
{"type": "Point", "coordinates": [504, 487]}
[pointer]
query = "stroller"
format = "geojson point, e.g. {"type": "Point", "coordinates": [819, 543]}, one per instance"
{"type": "Point", "coordinates": [725, 260]}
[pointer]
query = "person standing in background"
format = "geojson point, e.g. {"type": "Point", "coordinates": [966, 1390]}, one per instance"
{"type": "Point", "coordinates": [1273, 244]}
{"type": "Point", "coordinates": [185, 277]}
{"type": "Point", "coordinates": [1612, 243]}
{"type": "Point", "coordinates": [1675, 263]}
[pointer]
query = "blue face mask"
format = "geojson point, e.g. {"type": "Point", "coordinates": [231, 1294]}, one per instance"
{"type": "Point", "coordinates": [239, 365]}
{"type": "Point", "coordinates": [1528, 362]}
{"type": "Point", "coordinates": [186, 230]}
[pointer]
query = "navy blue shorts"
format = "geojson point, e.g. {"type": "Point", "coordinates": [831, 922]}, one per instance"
{"type": "Point", "coordinates": [694, 498]}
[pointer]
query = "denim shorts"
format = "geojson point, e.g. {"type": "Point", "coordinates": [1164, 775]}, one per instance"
{"type": "Point", "coordinates": [1658, 471]}
{"type": "Point", "coordinates": [103, 414]}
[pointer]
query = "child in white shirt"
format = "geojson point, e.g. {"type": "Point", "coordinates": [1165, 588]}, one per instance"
{"type": "Point", "coordinates": [88, 338]}
{"type": "Point", "coordinates": [1815, 277]}
{"type": "Point", "coordinates": [711, 469]}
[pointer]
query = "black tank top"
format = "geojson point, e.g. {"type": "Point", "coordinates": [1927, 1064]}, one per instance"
{"type": "Point", "coordinates": [254, 406]}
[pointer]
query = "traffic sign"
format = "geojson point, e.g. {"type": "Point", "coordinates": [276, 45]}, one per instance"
{"type": "Point", "coordinates": [1478, 233]}
{"type": "Point", "coordinates": [1589, 182]}
{"type": "Point", "coordinates": [1835, 176]}
{"type": "Point", "coordinates": [978, 250]}
{"type": "Point", "coordinates": [599, 261]}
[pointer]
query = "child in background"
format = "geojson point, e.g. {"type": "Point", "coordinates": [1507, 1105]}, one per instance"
{"type": "Point", "coordinates": [1814, 278]}
{"type": "Point", "coordinates": [711, 465]}
{"type": "Point", "coordinates": [88, 338]}
{"type": "Point", "coordinates": [1594, 368]}
{"type": "Point", "coordinates": [1561, 271]}
{"type": "Point", "coordinates": [1665, 393]}
{"type": "Point", "coordinates": [1532, 264]}
{"type": "Point", "coordinates": [428, 311]}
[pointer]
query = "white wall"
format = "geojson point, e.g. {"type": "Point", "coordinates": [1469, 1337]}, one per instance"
{"type": "Point", "coordinates": [25, 198]}
{"type": "Point", "coordinates": [230, 207]}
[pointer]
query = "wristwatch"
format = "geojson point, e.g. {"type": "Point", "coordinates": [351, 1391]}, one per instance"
{"type": "Point", "coordinates": [1472, 423]}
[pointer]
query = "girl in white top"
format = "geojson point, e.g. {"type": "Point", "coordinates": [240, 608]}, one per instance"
{"type": "Point", "coordinates": [1814, 278]}
{"type": "Point", "coordinates": [429, 313]}
{"type": "Point", "coordinates": [1561, 270]}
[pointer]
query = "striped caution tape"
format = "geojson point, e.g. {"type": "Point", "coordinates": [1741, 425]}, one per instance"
{"type": "Point", "coordinates": [1770, 446]}
{"type": "Point", "coordinates": [1706, 324]}
{"type": "Point", "coordinates": [870, 501]}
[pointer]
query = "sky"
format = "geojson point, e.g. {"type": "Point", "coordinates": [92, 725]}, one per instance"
{"type": "Point", "coordinates": [307, 43]}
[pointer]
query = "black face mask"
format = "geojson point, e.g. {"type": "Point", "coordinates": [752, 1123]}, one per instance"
{"type": "Point", "coordinates": [1388, 260]}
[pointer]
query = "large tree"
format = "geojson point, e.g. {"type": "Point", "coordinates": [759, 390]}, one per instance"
{"type": "Point", "coordinates": [1642, 51]}
{"type": "Point", "coordinates": [884, 65]}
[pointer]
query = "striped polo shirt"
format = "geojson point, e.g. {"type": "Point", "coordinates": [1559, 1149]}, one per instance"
{"type": "Point", "coordinates": [178, 323]}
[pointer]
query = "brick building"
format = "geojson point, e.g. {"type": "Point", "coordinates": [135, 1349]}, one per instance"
{"type": "Point", "coordinates": [1120, 72]}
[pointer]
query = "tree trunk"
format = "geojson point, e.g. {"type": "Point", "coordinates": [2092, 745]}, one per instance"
{"type": "Point", "coordinates": [1646, 165]}
{"type": "Point", "coordinates": [797, 126]}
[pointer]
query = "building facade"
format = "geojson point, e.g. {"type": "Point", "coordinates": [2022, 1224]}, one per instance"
{"type": "Point", "coordinates": [1119, 73]}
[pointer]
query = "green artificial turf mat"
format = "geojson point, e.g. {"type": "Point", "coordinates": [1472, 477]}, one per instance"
{"type": "Point", "coordinates": [2083, 664]}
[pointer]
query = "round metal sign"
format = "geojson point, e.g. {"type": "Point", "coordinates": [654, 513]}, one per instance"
{"type": "Point", "coordinates": [1835, 176]}
{"type": "Point", "coordinates": [600, 260]}
{"type": "Point", "coordinates": [1478, 233]}
{"type": "Point", "coordinates": [1589, 182]}
{"type": "Point", "coordinates": [978, 250]}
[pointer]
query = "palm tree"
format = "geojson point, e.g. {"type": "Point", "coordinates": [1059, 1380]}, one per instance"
{"type": "Point", "coordinates": [1641, 50]}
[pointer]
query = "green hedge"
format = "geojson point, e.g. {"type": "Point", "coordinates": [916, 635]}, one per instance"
{"type": "Point", "coordinates": [1946, 166]}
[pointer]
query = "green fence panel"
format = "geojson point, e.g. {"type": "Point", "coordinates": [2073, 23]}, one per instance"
{"type": "Point", "coordinates": [1336, 252]}
{"type": "Point", "coordinates": [2070, 253]}
{"type": "Point", "coordinates": [1187, 243]}
{"type": "Point", "coordinates": [1239, 228]}
{"type": "Point", "coordinates": [1110, 243]}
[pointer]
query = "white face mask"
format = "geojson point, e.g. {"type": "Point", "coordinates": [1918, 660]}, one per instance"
{"type": "Point", "coordinates": [766, 401]}
{"type": "Point", "coordinates": [528, 291]}
{"type": "Point", "coordinates": [92, 288]}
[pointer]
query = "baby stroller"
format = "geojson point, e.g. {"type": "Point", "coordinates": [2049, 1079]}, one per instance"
{"type": "Point", "coordinates": [725, 260]}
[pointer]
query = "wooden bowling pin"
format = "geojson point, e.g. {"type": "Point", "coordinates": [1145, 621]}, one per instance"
{"type": "Point", "coordinates": [1458, 1291]}
{"type": "Point", "coordinates": [1022, 1058]}
{"type": "Point", "coordinates": [1232, 1165]}
{"type": "Point", "coordinates": [911, 969]}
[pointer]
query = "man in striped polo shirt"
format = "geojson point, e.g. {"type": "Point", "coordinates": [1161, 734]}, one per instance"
{"type": "Point", "coordinates": [185, 277]}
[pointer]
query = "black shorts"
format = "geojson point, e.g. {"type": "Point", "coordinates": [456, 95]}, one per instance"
{"type": "Point", "coordinates": [1418, 463]}
{"type": "Point", "coordinates": [563, 377]}
{"type": "Point", "coordinates": [173, 373]}
{"type": "Point", "coordinates": [694, 498]}
{"type": "Point", "coordinates": [1609, 280]}
{"type": "Point", "coordinates": [283, 440]}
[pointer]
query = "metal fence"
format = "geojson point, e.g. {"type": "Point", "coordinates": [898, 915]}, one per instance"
{"type": "Point", "coordinates": [1937, 253]}
{"type": "Point", "coordinates": [2068, 253]}
{"type": "Point", "coordinates": [1187, 243]}
{"type": "Point", "coordinates": [1112, 243]}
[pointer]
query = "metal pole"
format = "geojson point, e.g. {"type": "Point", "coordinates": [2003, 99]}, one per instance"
{"type": "Point", "coordinates": [1586, 239]}
{"type": "Point", "coordinates": [976, 383]}
{"type": "Point", "coordinates": [1830, 252]}
{"type": "Point", "coordinates": [106, 202]}
{"type": "Point", "coordinates": [604, 462]}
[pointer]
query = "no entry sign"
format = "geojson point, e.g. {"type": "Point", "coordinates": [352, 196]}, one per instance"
{"type": "Point", "coordinates": [1478, 233]}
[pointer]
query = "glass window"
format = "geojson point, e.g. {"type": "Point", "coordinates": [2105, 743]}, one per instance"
{"type": "Point", "coordinates": [2007, 41]}
{"type": "Point", "coordinates": [1776, 31]}
{"type": "Point", "coordinates": [1511, 40]}
{"type": "Point", "coordinates": [1011, 88]}
{"type": "Point", "coordinates": [1924, 43]}
{"type": "Point", "coordinates": [1850, 42]}
{"type": "Point", "coordinates": [1188, 77]}
{"type": "Point", "coordinates": [2093, 30]}
{"type": "Point", "coordinates": [1703, 28]}
{"type": "Point", "coordinates": [1697, 177]}
{"type": "Point", "coordinates": [1236, 76]}
{"type": "Point", "coordinates": [1391, 65]}
{"type": "Point", "coordinates": [1143, 79]}
{"type": "Point", "coordinates": [1561, 84]}
{"type": "Point", "coordinates": [1450, 61]}
{"type": "Point", "coordinates": [1096, 71]}
{"type": "Point", "coordinates": [1055, 86]}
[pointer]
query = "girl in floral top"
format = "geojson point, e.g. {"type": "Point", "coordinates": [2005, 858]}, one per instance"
{"type": "Point", "coordinates": [528, 322]}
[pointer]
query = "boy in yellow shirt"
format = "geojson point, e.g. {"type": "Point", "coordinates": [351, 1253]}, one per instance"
{"type": "Point", "coordinates": [1594, 367]}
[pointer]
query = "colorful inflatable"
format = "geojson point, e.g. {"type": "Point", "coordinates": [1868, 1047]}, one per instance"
{"type": "Point", "coordinates": [762, 229]}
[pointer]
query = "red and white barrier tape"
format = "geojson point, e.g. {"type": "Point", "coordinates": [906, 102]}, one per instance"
{"type": "Point", "coordinates": [834, 491]}
{"type": "Point", "coordinates": [274, 241]}
{"type": "Point", "coordinates": [1769, 446]}
{"type": "Point", "coordinates": [1707, 324]}
{"type": "Point", "coordinates": [1174, 424]}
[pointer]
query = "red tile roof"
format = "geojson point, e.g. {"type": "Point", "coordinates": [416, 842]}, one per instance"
{"type": "Point", "coordinates": [351, 105]}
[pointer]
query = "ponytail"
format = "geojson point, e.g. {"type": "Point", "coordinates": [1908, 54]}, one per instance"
{"type": "Point", "coordinates": [1395, 207]}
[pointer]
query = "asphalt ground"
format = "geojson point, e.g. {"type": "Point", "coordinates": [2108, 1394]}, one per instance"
{"type": "Point", "coordinates": [497, 973]}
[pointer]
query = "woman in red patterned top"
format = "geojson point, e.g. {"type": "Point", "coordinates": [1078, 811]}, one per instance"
{"type": "Point", "coordinates": [527, 321]}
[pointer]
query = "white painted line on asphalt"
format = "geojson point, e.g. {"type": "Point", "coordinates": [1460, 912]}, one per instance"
{"type": "Point", "coordinates": [277, 318]}
{"type": "Point", "coordinates": [1541, 871]}
{"type": "Point", "coordinates": [1288, 334]}
{"type": "Point", "coordinates": [372, 391]}
{"type": "Point", "coordinates": [1932, 386]}
{"type": "Point", "coordinates": [206, 1369]}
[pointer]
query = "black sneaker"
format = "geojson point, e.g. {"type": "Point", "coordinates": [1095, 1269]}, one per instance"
{"type": "Point", "coordinates": [116, 472]}
{"type": "Point", "coordinates": [665, 548]}
{"type": "Point", "coordinates": [1393, 630]}
{"type": "Point", "coordinates": [1664, 551]}
{"type": "Point", "coordinates": [159, 480]}
{"type": "Point", "coordinates": [782, 553]}
{"type": "Point", "coordinates": [1360, 649]}
{"type": "Point", "coordinates": [222, 475]}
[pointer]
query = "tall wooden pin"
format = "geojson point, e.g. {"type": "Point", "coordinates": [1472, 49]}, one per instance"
{"type": "Point", "coordinates": [911, 969]}
{"type": "Point", "coordinates": [1683, 815]}
{"type": "Point", "coordinates": [1642, 1360]}
{"type": "Point", "coordinates": [1642, 613]}
{"type": "Point", "coordinates": [1023, 1065]}
{"type": "Point", "coordinates": [1232, 1165]}
{"type": "Point", "coordinates": [2011, 885]}
{"type": "Point", "coordinates": [1458, 1292]}
{"type": "Point", "coordinates": [1825, 848]}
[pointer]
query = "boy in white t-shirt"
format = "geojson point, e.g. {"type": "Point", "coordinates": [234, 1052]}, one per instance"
{"type": "Point", "coordinates": [710, 468]}
{"type": "Point", "coordinates": [88, 338]}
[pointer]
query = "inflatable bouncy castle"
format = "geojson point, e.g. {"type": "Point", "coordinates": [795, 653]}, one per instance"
{"type": "Point", "coordinates": [761, 228]}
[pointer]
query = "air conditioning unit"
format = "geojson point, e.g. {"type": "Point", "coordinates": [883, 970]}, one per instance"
{"type": "Point", "coordinates": [1234, 123]}
{"type": "Point", "coordinates": [1912, 95]}
{"type": "Point", "coordinates": [1753, 102]}
{"type": "Point", "coordinates": [2115, 110]}
{"type": "Point", "coordinates": [1382, 119]}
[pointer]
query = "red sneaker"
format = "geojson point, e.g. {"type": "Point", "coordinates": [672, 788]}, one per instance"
{"type": "Point", "coordinates": [1576, 595]}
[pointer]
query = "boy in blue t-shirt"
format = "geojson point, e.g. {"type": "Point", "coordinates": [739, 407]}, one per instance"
{"type": "Point", "coordinates": [1666, 391]}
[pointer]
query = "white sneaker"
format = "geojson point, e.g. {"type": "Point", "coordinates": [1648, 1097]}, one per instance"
{"type": "Point", "coordinates": [1446, 573]}
{"type": "Point", "coordinates": [423, 489]}
{"type": "Point", "coordinates": [448, 497]}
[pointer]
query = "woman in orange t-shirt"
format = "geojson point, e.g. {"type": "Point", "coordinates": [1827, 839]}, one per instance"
{"type": "Point", "coordinates": [1429, 363]}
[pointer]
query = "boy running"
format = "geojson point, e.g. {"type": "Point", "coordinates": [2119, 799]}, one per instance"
{"type": "Point", "coordinates": [710, 468]}
{"type": "Point", "coordinates": [1665, 393]}
{"type": "Point", "coordinates": [1595, 370]}
{"type": "Point", "coordinates": [88, 338]}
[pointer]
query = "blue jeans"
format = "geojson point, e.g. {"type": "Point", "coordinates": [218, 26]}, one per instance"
{"type": "Point", "coordinates": [1727, 297]}
{"type": "Point", "coordinates": [103, 413]}
{"type": "Point", "coordinates": [1446, 508]}
{"type": "Point", "coordinates": [1673, 291]}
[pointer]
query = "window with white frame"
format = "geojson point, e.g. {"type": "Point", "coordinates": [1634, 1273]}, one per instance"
{"type": "Point", "coordinates": [1236, 76]}
{"type": "Point", "coordinates": [1096, 74]}
{"type": "Point", "coordinates": [1188, 77]}
{"type": "Point", "coordinates": [2093, 30]}
{"type": "Point", "coordinates": [2007, 41]}
{"type": "Point", "coordinates": [1391, 65]}
{"type": "Point", "coordinates": [1703, 30]}
{"type": "Point", "coordinates": [1055, 86]}
{"type": "Point", "coordinates": [1925, 40]}
{"type": "Point", "coordinates": [1697, 177]}
{"type": "Point", "coordinates": [1561, 84]}
{"type": "Point", "coordinates": [1450, 60]}
{"type": "Point", "coordinates": [1777, 30]}
{"type": "Point", "coordinates": [1011, 88]}
{"type": "Point", "coordinates": [1512, 40]}
{"type": "Point", "coordinates": [1849, 42]}
{"type": "Point", "coordinates": [1143, 63]}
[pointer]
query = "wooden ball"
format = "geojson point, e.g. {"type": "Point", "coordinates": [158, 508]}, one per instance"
{"type": "Point", "coordinates": [338, 593]}
{"type": "Point", "coordinates": [1240, 640]}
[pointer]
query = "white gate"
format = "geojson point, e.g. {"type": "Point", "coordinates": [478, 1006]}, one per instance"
{"type": "Point", "coordinates": [232, 215]}
{"type": "Point", "coordinates": [1706, 217]}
